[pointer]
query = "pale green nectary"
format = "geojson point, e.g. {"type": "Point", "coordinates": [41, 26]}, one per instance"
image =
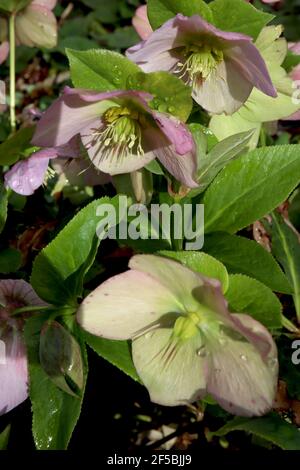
{"type": "Point", "coordinates": [185, 342]}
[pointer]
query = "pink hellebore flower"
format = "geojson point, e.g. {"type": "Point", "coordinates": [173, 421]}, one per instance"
{"type": "Point", "coordinates": [141, 23]}
{"type": "Point", "coordinates": [35, 26]}
{"type": "Point", "coordinates": [13, 362]}
{"type": "Point", "coordinates": [120, 132]}
{"type": "Point", "coordinates": [185, 342]}
{"type": "Point", "coordinates": [221, 67]}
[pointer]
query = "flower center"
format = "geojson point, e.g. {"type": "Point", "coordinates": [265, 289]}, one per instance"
{"type": "Point", "coordinates": [200, 63]}
{"type": "Point", "coordinates": [122, 132]}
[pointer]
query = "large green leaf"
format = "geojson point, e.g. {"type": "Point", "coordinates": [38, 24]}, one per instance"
{"type": "Point", "coordinates": [3, 206]}
{"type": "Point", "coordinates": [273, 428]}
{"type": "Point", "coordinates": [247, 295]}
{"type": "Point", "coordinates": [171, 94]}
{"type": "Point", "coordinates": [59, 269]}
{"type": "Point", "coordinates": [55, 413]}
{"type": "Point", "coordinates": [286, 248]}
{"type": "Point", "coordinates": [250, 187]}
{"type": "Point", "coordinates": [241, 255]}
{"type": "Point", "coordinates": [117, 353]}
{"type": "Point", "coordinates": [201, 263]}
{"type": "Point", "coordinates": [160, 11]}
{"type": "Point", "coordinates": [100, 69]}
{"type": "Point", "coordinates": [239, 16]}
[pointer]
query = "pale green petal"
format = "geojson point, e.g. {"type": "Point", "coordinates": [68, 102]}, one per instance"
{"type": "Point", "coordinates": [125, 304]}
{"type": "Point", "coordinates": [174, 373]}
{"type": "Point", "coordinates": [225, 126]}
{"type": "Point", "coordinates": [178, 279]}
{"type": "Point", "coordinates": [271, 46]}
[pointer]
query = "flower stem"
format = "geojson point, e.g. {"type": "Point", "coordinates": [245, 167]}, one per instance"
{"type": "Point", "coordinates": [12, 71]}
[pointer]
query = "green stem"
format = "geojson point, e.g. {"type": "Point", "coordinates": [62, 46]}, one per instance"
{"type": "Point", "coordinates": [12, 71]}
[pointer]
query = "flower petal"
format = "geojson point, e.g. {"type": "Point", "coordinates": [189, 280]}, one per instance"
{"type": "Point", "coordinates": [141, 23]}
{"type": "Point", "coordinates": [18, 291]}
{"type": "Point", "coordinates": [241, 379]}
{"type": "Point", "coordinates": [178, 279]}
{"type": "Point", "coordinates": [4, 51]}
{"type": "Point", "coordinates": [13, 373]}
{"type": "Point", "coordinates": [49, 4]}
{"type": "Point", "coordinates": [65, 118]}
{"type": "Point", "coordinates": [225, 90]}
{"type": "Point", "coordinates": [173, 372]}
{"type": "Point", "coordinates": [28, 175]}
{"type": "Point", "coordinates": [36, 26]}
{"type": "Point", "coordinates": [126, 304]}
{"type": "Point", "coordinates": [112, 162]}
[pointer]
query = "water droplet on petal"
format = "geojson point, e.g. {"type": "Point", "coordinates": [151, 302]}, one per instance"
{"type": "Point", "coordinates": [202, 351]}
{"type": "Point", "coordinates": [171, 109]}
{"type": "Point", "coordinates": [243, 357]}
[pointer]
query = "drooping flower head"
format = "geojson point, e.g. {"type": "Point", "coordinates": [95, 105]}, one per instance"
{"type": "Point", "coordinates": [222, 67]}
{"type": "Point", "coordinates": [185, 343]}
{"type": "Point", "coordinates": [36, 26]}
{"type": "Point", "coordinates": [13, 361]}
{"type": "Point", "coordinates": [120, 132]}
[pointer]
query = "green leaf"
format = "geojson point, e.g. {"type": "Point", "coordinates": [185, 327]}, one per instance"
{"type": "Point", "coordinates": [273, 428]}
{"type": "Point", "coordinates": [55, 413]}
{"type": "Point", "coordinates": [239, 16]}
{"type": "Point", "coordinates": [117, 353]}
{"type": "Point", "coordinates": [3, 206]}
{"type": "Point", "coordinates": [247, 295]}
{"type": "Point", "coordinates": [4, 437]}
{"type": "Point", "coordinates": [291, 60]}
{"type": "Point", "coordinates": [220, 155]}
{"type": "Point", "coordinates": [201, 263]}
{"type": "Point", "coordinates": [13, 5]}
{"type": "Point", "coordinates": [241, 255]}
{"type": "Point", "coordinates": [12, 149]}
{"type": "Point", "coordinates": [59, 269]}
{"type": "Point", "coordinates": [160, 11]}
{"type": "Point", "coordinates": [171, 94]}
{"type": "Point", "coordinates": [100, 69]}
{"type": "Point", "coordinates": [286, 248]}
{"type": "Point", "coordinates": [10, 260]}
{"type": "Point", "coordinates": [250, 187]}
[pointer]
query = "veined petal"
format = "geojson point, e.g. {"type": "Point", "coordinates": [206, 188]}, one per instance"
{"type": "Point", "coordinates": [111, 160]}
{"type": "Point", "coordinates": [65, 118]}
{"type": "Point", "coordinates": [176, 132]}
{"type": "Point", "coordinates": [173, 371]}
{"type": "Point", "coordinates": [224, 91]}
{"type": "Point", "coordinates": [28, 175]}
{"type": "Point", "coordinates": [18, 291]}
{"type": "Point", "coordinates": [175, 277]}
{"type": "Point", "coordinates": [248, 61]}
{"type": "Point", "coordinates": [125, 305]}
{"type": "Point", "coordinates": [13, 372]}
{"type": "Point", "coordinates": [36, 26]}
{"type": "Point", "coordinates": [241, 379]}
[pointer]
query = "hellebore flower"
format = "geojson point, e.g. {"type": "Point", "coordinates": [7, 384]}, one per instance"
{"type": "Point", "coordinates": [13, 361]}
{"type": "Point", "coordinates": [221, 67]}
{"type": "Point", "coordinates": [260, 108]}
{"type": "Point", "coordinates": [120, 132]}
{"type": "Point", "coordinates": [185, 343]}
{"type": "Point", "coordinates": [141, 23]}
{"type": "Point", "coordinates": [35, 27]}
{"type": "Point", "coordinates": [29, 174]}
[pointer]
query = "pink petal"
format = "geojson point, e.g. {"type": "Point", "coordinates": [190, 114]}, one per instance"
{"type": "Point", "coordinates": [141, 23]}
{"type": "Point", "coordinates": [294, 47]}
{"type": "Point", "coordinates": [4, 51]}
{"type": "Point", "coordinates": [243, 375]}
{"type": "Point", "coordinates": [13, 373]}
{"type": "Point", "coordinates": [28, 175]}
{"type": "Point", "coordinates": [36, 26]}
{"type": "Point", "coordinates": [17, 290]}
{"type": "Point", "coordinates": [49, 4]}
{"type": "Point", "coordinates": [80, 172]}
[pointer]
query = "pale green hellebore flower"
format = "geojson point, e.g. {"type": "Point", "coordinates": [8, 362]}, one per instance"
{"type": "Point", "coordinates": [185, 343]}
{"type": "Point", "coordinates": [260, 108]}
